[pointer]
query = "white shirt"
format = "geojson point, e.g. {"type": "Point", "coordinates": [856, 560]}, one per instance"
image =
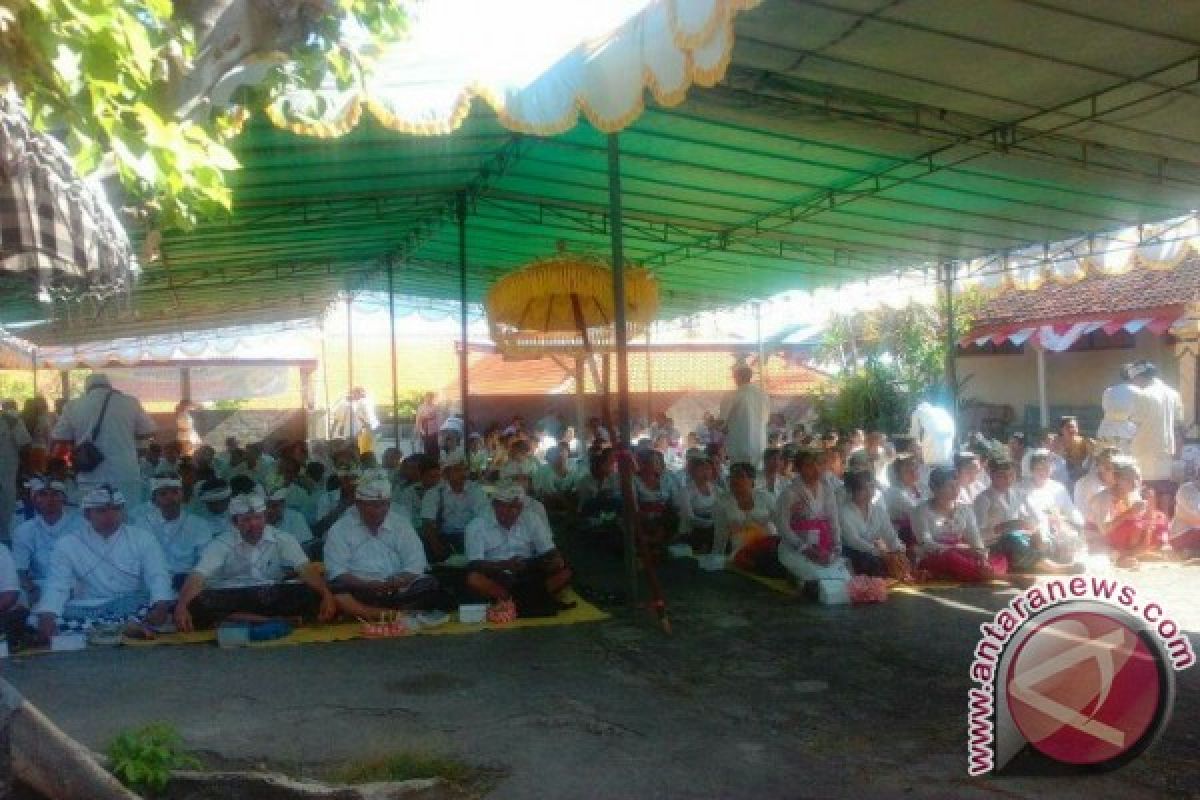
{"type": "Point", "coordinates": [547, 480]}
{"type": "Point", "coordinates": [801, 502]}
{"type": "Point", "coordinates": [933, 428]}
{"type": "Point", "coordinates": [775, 491]}
{"type": "Point", "coordinates": [901, 501]}
{"type": "Point", "coordinates": [293, 522]}
{"type": "Point", "coordinates": [1052, 500]}
{"type": "Point", "coordinates": [229, 561]}
{"type": "Point", "coordinates": [935, 530]}
{"type": "Point", "coordinates": [1058, 467]}
{"type": "Point", "coordinates": [395, 549]}
{"type": "Point", "coordinates": [861, 532]}
{"type": "Point", "coordinates": [182, 539]}
{"type": "Point", "coordinates": [1187, 509]}
{"type": "Point", "coordinates": [1118, 403]}
{"type": "Point", "coordinates": [729, 519]}
{"type": "Point", "coordinates": [8, 572]}
{"type": "Point", "coordinates": [698, 508]}
{"type": "Point", "coordinates": [1086, 488]}
{"type": "Point", "coordinates": [745, 414]}
{"type": "Point", "coordinates": [487, 540]}
{"type": "Point", "coordinates": [1157, 410]}
{"type": "Point", "coordinates": [994, 507]}
{"type": "Point", "coordinates": [453, 510]}
{"type": "Point", "coordinates": [90, 570]}
{"type": "Point", "coordinates": [34, 539]}
{"type": "Point", "coordinates": [124, 422]}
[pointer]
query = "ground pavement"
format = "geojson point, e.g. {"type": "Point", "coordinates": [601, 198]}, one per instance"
{"type": "Point", "coordinates": [756, 695]}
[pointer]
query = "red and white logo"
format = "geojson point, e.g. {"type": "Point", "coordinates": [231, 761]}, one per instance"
{"type": "Point", "coordinates": [1084, 688]}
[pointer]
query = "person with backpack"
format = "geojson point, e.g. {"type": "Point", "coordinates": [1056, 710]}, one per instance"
{"type": "Point", "coordinates": [101, 429]}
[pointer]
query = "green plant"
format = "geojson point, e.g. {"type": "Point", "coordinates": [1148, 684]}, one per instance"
{"type": "Point", "coordinates": [144, 758]}
{"type": "Point", "coordinates": [229, 405]}
{"type": "Point", "coordinates": [869, 398]}
{"type": "Point", "coordinates": [127, 84]}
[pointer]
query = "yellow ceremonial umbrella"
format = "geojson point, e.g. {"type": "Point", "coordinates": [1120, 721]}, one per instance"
{"type": "Point", "coordinates": [564, 305]}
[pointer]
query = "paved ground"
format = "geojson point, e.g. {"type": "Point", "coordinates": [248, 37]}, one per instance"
{"type": "Point", "coordinates": [755, 696]}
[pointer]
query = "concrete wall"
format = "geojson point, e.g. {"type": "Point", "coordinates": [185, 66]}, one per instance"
{"type": "Point", "coordinates": [1072, 378]}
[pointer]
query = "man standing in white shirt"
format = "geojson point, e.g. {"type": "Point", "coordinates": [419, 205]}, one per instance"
{"type": "Point", "coordinates": [511, 556]}
{"type": "Point", "coordinates": [34, 539]}
{"type": "Point", "coordinates": [744, 414]}
{"type": "Point", "coordinates": [375, 560]}
{"type": "Point", "coordinates": [1158, 413]}
{"type": "Point", "coordinates": [934, 430]}
{"type": "Point", "coordinates": [181, 535]}
{"type": "Point", "coordinates": [241, 574]}
{"type": "Point", "coordinates": [107, 571]}
{"type": "Point", "coordinates": [124, 424]}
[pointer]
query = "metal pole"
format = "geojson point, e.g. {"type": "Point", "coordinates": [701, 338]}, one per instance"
{"type": "Point", "coordinates": [35, 373]}
{"type": "Point", "coordinates": [649, 382]}
{"type": "Point", "coordinates": [620, 339]}
{"type": "Point", "coordinates": [951, 342]}
{"type": "Point", "coordinates": [462, 297]}
{"type": "Point", "coordinates": [392, 346]}
{"type": "Point", "coordinates": [325, 375]}
{"type": "Point", "coordinates": [349, 342]}
{"type": "Point", "coordinates": [762, 359]}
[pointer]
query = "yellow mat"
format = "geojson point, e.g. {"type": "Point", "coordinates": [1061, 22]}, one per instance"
{"type": "Point", "coordinates": [783, 586]}
{"type": "Point", "coordinates": [345, 631]}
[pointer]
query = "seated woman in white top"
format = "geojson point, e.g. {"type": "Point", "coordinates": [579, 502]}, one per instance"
{"type": "Point", "coordinates": [1099, 478]}
{"type": "Point", "coordinates": [867, 533]}
{"type": "Point", "coordinates": [903, 495]}
{"type": "Point", "coordinates": [658, 503]}
{"type": "Point", "coordinates": [773, 479]}
{"type": "Point", "coordinates": [744, 523]}
{"type": "Point", "coordinates": [1185, 527]}
{"type": "Point", "coordinates": [1056, 514]}
{"type": "Point", "coordinates": [1129, 525]}
{"type": "Point", "coordinates": [949, 545]}
{"type": "Point", "coordinates": [699, 499]}
{"type": "Point", "coordinates": [806, 517]}
{"type": "Point", "coordinates": [1009, 525]}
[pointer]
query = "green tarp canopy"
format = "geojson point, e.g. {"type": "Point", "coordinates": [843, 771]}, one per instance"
{"type": "Point", "coordinates": [849, 138]}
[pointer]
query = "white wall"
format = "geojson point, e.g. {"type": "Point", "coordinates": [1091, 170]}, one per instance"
{"type": "Point", "coordinates": [1071, 378]}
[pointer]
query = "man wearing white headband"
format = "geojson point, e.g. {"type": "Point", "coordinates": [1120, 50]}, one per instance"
{"type": "Point", "coordinates": [520, 474]}
{"type": "Point", "coordinates": [286, 519]}
{"type": "Point", "coordinates": [375, 560]}
{"type": "Point", "coordinates": [241, 574]}
{"type": "Point", "coordinates": [212, 504]}
{"type": "Point", "coordinates": [181, 534]}
{"type": "Point", "coordinates": [512, 557]}
{"type": "Point", "coordinates": [448, 508]}
{"type": "Point", "coordinates": [34, 539]}
{"type": "Point", "coordinates": [108, 571]}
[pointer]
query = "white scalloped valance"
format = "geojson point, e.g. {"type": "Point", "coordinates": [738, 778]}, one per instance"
{"type": "Point", "coordinates": [537, 63]}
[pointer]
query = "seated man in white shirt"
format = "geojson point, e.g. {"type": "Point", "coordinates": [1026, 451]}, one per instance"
{"type": "Point", "coordinates": [287, 519]}
{"type": "Point", "coordinates": [34, 539]}
{"type": "Point", "coordinates": [13, 610]}
{"type": "Point", "coordinates": [408, 500]}
{"type": "Point", "coordinates": [554, 481]}
{"type": "Point", "coordinates": [181, 535]}
{"type": "Point", "coordinates": [212, 504]}
{"type": "Point", "coordinates": [512, 558]}
{"type": "Point", "coordinates": [241, 575]}
{"type": "Point", "coordinates": [521, 475]}
{"type": "Point", "coordinates": [104, 572]}
{"type": "Point", "coordinates": [375, 560]}
{"type": "Point", "coordinates": [333, 503]}
{"type": "Point", "coordinates": [448, 508]}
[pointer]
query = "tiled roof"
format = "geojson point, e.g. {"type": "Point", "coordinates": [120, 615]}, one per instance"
{"type": "Point", "coordinates": [1094, 296]}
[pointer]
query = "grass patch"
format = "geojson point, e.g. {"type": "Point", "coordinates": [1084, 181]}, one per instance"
{"type": "Point", "coordinates": [406, 766]}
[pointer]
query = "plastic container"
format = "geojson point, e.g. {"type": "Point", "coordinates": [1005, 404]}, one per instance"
{"type": "Point", "coordinates": [68, 641]}
{"type": "Point", "coordinates": [472, 613]}
{"type": "Point", "coordinates": [833, 592]}
{"type": "Point", "coordinates": [233, 636]}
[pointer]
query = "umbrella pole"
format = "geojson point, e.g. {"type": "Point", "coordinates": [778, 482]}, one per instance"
{"type": "Point", "coordinates": [633, 536]}
{"type": "Point", "coordinates": [392, 347]}
{"type": "Point", "coordinates": [462, 297]}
